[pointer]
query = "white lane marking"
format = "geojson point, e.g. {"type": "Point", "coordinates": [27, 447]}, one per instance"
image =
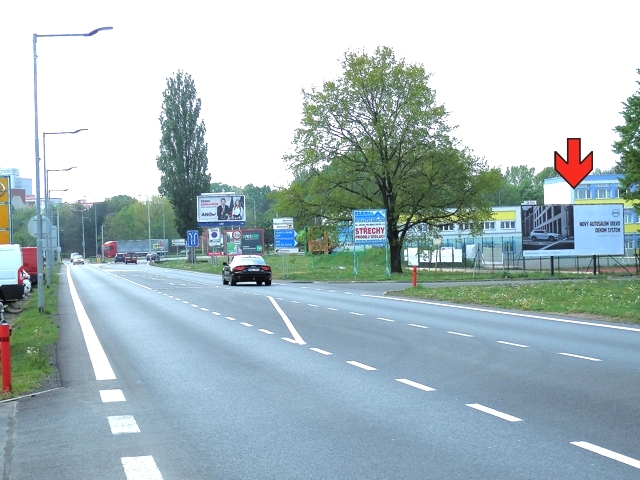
{"type": "Point", "coordinates": [279, 298]}
{"type": "Point", "coordinates": [347, 293]}
{"type": "Point", "coordinates": [204, 309]}
{"type": "Point", "coordinates": [268, 332]}
{"type": "Point", "coordinates": [356, 313]}
{"type": "Point", "coordinates": [229, 318]}
{"type": "Point", "coordinates": [332, 309]}
{"type": "Point", "coordinates": [360, 365]}
{"type": "Point", "coordinates": [170, 296]}
{"type": "Point", "coordinates": [123, 424]}
{"type": "Point", "coordinates": [512, 344]}
{"type": "Point", "coordinates": [512, 314]}
{"type": "Point", "coordinates": [415, 325]}
{"type": "Point", "coordinates": [114, 395]}
{"type": "Point", "coordinates": [495, 413]}
{"type": "Point", "coordinates": [185, 301]}
{"type": "Point", "coordinates": [293, 301]}
{"type": "Point", "coordinates": [216, 313]}
{"type": "Point", "coordinates": [460, 334]}
{"type": "Point", "coordinates": [580, 356]}
{"type": "Point", "coordinates": [290, 340]}
{"type": "Point", "coordinates": [246, 324]}
{"type": "Point", "coordinates": [385, 319]}
{"type": "Point", "coordinates": [319, 350]}
{"type": "Point", "coordinates": [176, 298]}
{"type": "Point", "coordinates": [411, 383]}
{"type": "Point", "coordinates": [311, 305]}
{"type": "Point", "coordinates": [140, 468]}
{"type": "Point", "coordinates": [332, 291]}
{"type": "Point", "coordinates": [194, 305]}
{"type": "Point", "coordinates": [101, 366]}
{"type": "Point", "coordinates": [292, 330]}
{"type": "Point", "coordinates": [608, 453]}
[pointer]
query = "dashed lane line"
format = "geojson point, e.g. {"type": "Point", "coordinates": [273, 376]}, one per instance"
{"type": "Point", "coordinates": [319, 350]}
{"type": "Point", "coordinates": [361, 365]}
{"type": "Point", "coordinates": [230, 318]}
{"type": "Point", "coordinates": [460, 334]}
{"type": "Point", "coordinates": [114, 395]}
{"type": "Point", "coordinates": [580, 357]}
{"type": "Point", "coordinates": [246, 324]}
{"type": "Point", "coordinates": [411, 383]}
{"type": "Point", "coordinates": [512, 344]}
{"type": "Point", "coordinates": [416, 325]}
{"type": "Point", "coordinates": [608, 453]}
{"type": "Point", "coordinates": [356, 313]}
{"type": "Point", "coordinates": [268, 332]}
{"type": "Point", "coordinates": [495, 413]}
{"type": "Point", "coordinates": [385, 319]}
{"type": "Point", "coordinates": [140, 468]}
{"type": "Point", "coordinates": [123, 424]}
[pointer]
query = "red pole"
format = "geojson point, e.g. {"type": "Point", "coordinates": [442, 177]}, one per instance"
{"type": "Point", "coordinates": [414, 277]}
{"type": "Point", "coordinates": [5, 356]}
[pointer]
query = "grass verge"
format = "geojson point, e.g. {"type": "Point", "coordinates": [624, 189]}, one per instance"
{"type": "Point", "coordinates": [33, 339]}
{"type": "Point", "coordinates": [608, 298]}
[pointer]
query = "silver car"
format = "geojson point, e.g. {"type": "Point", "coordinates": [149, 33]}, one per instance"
{"type": "Point", "coordinates": [544, 235]}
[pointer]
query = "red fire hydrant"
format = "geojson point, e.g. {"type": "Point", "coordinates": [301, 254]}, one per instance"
{"type": "Point", "coordinates": [414, 277]}
{"type": "Point", "coordinates": [5, 354]}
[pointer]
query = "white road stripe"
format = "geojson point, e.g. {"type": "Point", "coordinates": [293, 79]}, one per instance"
{"type": "Point", "coordinates": [290, 340]}
{"type": "Point", "coordinates": [580, 356]}
{"type": "Point", "coordinates": [176, 298]}
{"type": "Point", "coordinates": [360, 365]}
{"type": "Point", "coordinates": [385, 319]}
{"type": "Point", "coordinates": [411, 383]}
{"type": "Point", "coordinates": [292, 329]}
{"type": "Point", "coordinates": [114, 395]}
{"type": "Point", "coordinates": [123, 424]}
{"type": "Point", "coordinates": [204, 309]}
{"type": "Point", "coordinates": [356, 313]}
{"type": "Point", "coordinates": [311, 305]}
{"type": "Point", "coordinates": [229, 318]}
{"type": "Point", "coordinates": [417, 326]}
{"type": "Point", "coordinates": [512, 314]}
{"type": "Point", "coordinates": [293, 301]}
{"type": "Point", "coordinates": [323, 352]}
{"type": "Point", "coordinates": [101, 366]}
{"type": "Point", "coordinates": [185, 301]}
{"type": "Point", "coordinates": [140, 468]}
{"type": "Point", "coordinates": [460, 334]}
{"type": "Point", "coordinates": [216, 313]}
{"type": "Point", "coordinates": [512, 344]}
{"type": "Point", "coordinates": [246, 324]}
{"type": "Point", "coordinates": [608, 453]}
{"type": "Point", "coordinates": [268, 332]}
{"type": "Point", "coordinates": [333, 309]}
{"type": "Point", "coordinates": [194, 305]}
{"type": "Point", "coordinates": [347, 293]}
{"type": "Point", "coordinates": [495, 413]}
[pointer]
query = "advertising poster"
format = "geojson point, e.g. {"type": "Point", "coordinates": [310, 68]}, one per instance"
{"type": "Point", "coordinates": [221, 210]}
{"type": "Point", "coordinates": [244, 242]}
{"type": "Point", "coordinates": [561, 230]}
{"type": "Point", "coordinates": [369, 227]}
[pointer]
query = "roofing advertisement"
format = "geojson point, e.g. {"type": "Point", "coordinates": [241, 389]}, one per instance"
{"type": "Point", "coordinates": [369, 227]}
{"type": "Point", "coordinates": [561, 230]}
{"type": "Point", "coordinates": [221, 210]}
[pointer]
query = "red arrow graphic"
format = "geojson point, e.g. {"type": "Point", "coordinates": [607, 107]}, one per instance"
{"type": "Point", "coordinates": [573, 170]}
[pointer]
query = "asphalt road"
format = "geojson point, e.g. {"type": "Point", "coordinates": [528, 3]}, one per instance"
{"type": "Point", "coordinates": [185, 378]}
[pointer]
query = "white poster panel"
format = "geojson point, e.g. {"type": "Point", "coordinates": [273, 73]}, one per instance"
{"type": "Point", "coordinates": [221, 209]}
{"type": "Point", "coordinates": [562, 230]}
{"type": "Point", "coordinates": [369, 227]}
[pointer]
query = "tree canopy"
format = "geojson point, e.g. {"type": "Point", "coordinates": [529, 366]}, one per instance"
{"type": "Point", "coordinates": [628, 147]}
{"type": "Point", "coordinates": [376, 138]}
{"type": "Point", "coordinates": [183, 152]}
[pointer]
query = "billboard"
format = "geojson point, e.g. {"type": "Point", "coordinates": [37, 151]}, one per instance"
{"type": "Point", "coordinates": [560, 230]}
{"type": "Point", "coordinates": [215, 210]}
{"type": "Point", "coordinates": [244, 242]}
{"type": "Point", "coordinates": [369, 227]}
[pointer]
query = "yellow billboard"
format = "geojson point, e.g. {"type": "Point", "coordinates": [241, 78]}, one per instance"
{"type": "Point", "coordinates": [5, 210]}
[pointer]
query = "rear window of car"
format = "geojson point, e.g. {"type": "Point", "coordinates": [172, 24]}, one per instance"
{"type": "Point", "coordinates": [248, 261]}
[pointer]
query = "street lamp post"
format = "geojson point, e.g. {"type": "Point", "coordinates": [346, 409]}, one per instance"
{"type": "Point", "coordinates": [37, 148]}
{"type": "Point", "coordinates": [47, 208]}
{"type": "Point", "coordinates": [88, 218]}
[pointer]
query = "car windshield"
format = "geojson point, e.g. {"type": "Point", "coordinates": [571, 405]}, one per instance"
{"type": "Point", "coordinates": [248, 261]}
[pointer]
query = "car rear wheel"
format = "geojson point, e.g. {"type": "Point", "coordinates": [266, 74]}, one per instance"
{"type": "Point", "coordinates": [258, 282]}
{"type": "Point", "coordinates": [267, 283]}
{"type": "Point", "coordinates": [233, 281]}
{"type": "Point", "coordinates": [224, 282]}
{"type": "Point", "coordinates": [533, 239]}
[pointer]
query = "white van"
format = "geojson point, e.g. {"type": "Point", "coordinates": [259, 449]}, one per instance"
{"type": "Point", "coordinates": [11, 286]}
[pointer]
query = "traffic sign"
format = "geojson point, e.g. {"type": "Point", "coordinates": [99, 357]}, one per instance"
{"type": "Point", "coordinates": [192, 238]}
{"type": "Point", "coordinates": [284, 238]}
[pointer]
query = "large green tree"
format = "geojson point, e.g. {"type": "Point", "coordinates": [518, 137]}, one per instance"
{"type": "Point", "coordinates": [183, 152]}
{"type": "Point", "coordinates": [376, 138]}
{"type": "Point", "coordinates": [628, 147]}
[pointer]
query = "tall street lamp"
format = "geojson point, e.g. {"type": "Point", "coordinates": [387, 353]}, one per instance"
{"type": "Point", "coordinates": [35, 105]}
{"type": "Point", "coordinates": [58, 229]}
{"type": "Point", "coordinates": [47, 209]}
{"type": "Point", "coordinates": [88, 218]}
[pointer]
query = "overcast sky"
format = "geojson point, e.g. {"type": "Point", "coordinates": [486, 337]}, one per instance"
{"type": "Point", "coordinates": [518, 79]}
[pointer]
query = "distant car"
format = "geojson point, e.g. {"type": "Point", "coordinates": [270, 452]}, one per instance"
{"type": "Point", "coordinates": [543, 235]}
{"type": "Point", "coordinates": [246, 268]}
{"type": "Point", "coordinates": [130, 257]}
{"type": "Point", "coordinates": [119, 258]}
{"type": "Point", "coordinates": [77, 259]}
{"type": "Point", "coordinates": [152, 257]}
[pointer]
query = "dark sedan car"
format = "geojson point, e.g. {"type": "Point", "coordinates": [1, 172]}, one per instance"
{"type": "Point", "coordinates": [130, 257]}
{"type": "Point", "coordinates": [246, 268]}
{"type": "Point", "coordinates": [119, 258]}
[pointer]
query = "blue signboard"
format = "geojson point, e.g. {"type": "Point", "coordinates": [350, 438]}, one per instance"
{"type": "Point", "coordinates": [369, 227]}
{"type": "Point", "coordinates": [284, 238]}
{"type": "Point", "coordinates": [192, 238]}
